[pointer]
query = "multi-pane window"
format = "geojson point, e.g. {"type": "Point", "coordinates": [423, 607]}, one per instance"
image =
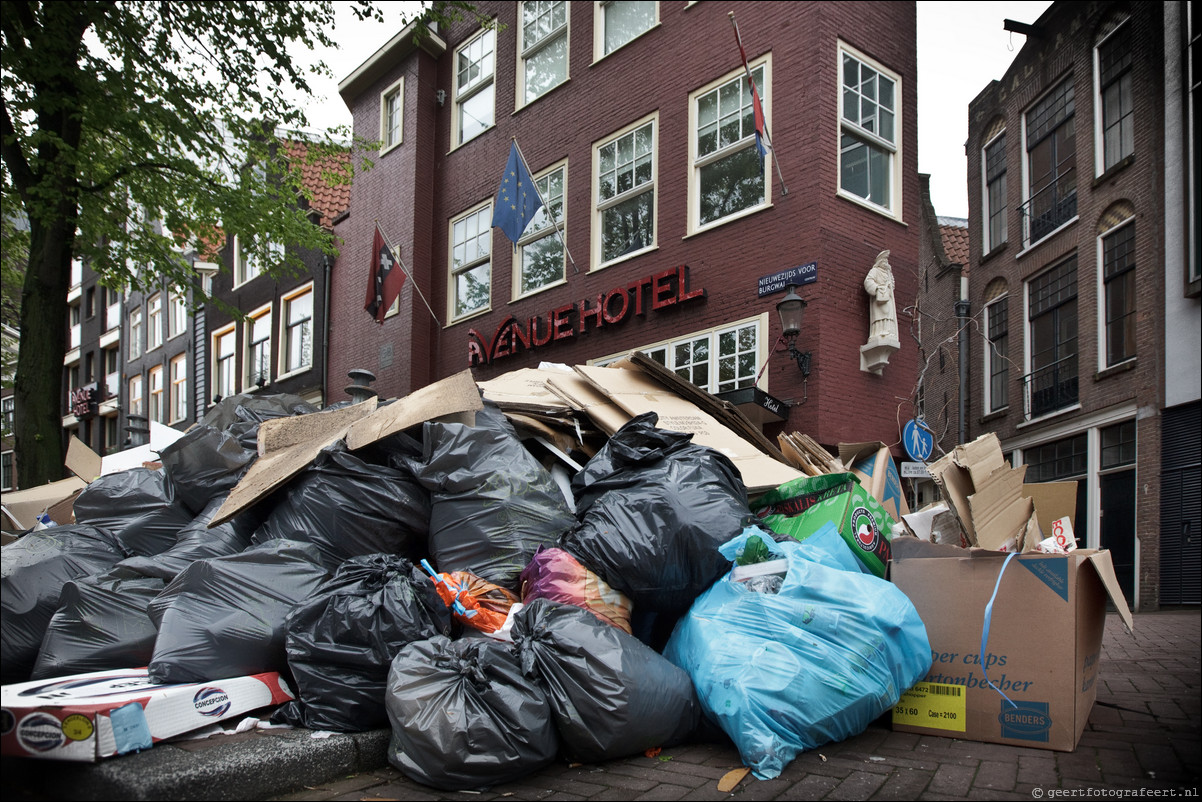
{"type": "Point", "coordinates": [258, 348]}
{"type": "Point", "coordinates": [391, 103]}
{"type": "Point", "coordinates": [728, 174]}
{"type": "Point", "coordinates": [154, 322]}
{"type": "Point", "coordinates": [8, 477]}
{"type": "Point", "coordinates": [997, 352]}
{"type": "Point", "coordinates": [179, 388]}
{"type": "Point", "coordinates": [995, 192]}
{"type": "Point", "coordinates": [868, 144]}
{"type": "Point", "coordinates": [1118, 445]}
{"type": "Point", "coordinates": [471, 265]}
{"type": "Point", "coordinates": [541, 250]}
{"type": "Point", "coordinates": [717, 360]}
{"type": "Point", "coordinates": [297, 351]}
{"type": "Point", "coordinates": [544, 47]}
{"type": "Point", "coordinates": [112, 309]}
{"type": "Point", "coordinates": [135, 395]}
{"type": "Point", "coordinates": [8, 413]}
{"type": "Point", "coordinates": [248, 264]}
{"type": "Point", "coordinates": [625, 210]}
{"type": "Point", "coordinates": [1118, 293]}
{"type": "Point", "coordinates": [75, 330]}
{"type": "Point", "coordinates": [177, 313]}
{"type": "Point", "coordinates": [157, 411]}
{"type": "Point", "coordinates": [1117, 121]}
{"type": "Point", "coordinates": [112, 372]}
{"type": "Point", "coordinates": [225, 377]}
{"type": "Point", "coordinates": [135, 333]}
{"type": "Point", "coordinates": [1051, 163]}
{"type": "Point", "coordinates": [475, 88]}
{"type": "Point", "coordinates": [1052, 321]}
{"type": "Point", "coordinates": [623, 21]}
{"type": "Point", "coordinates": [1058, 460]}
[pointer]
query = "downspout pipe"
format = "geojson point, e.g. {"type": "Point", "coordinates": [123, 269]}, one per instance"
{"type": "Point", "coordinates": [962, 313]}
{"type": "Point", "coordinates": [325, 331]}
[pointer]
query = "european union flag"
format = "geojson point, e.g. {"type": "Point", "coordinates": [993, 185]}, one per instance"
{"type": "Point", "coordinates": [517, 198]}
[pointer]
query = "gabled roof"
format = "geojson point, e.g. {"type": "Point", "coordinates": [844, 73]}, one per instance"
{"type": "Point", "coordinates": [326, 197]}
{"type": "Point", "coordinates": [954, 233]}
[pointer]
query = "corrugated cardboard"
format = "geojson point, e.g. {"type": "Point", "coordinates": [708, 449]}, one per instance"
{"type": "Point", "coordinates": [1053, 500]}
{"type": "Point", "coordinates": [873, 464]}
{"type": "Point", "coordinates": [1043, 650]}
{"type": "Point", "coordinates": [22, 507]}
{"type": "Point", "coordinates": [636, 393]}
{"type": "Point", "coordinates": [985, 493]}
{"type": "Point", "coordinates": [87, 717]}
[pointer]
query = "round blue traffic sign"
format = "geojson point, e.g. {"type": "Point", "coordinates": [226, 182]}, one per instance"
{"type": "Point", "coordinates": [918, 440]}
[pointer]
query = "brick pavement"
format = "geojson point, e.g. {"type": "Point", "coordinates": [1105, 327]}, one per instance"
{"type": "Point", "coordinates": [1142, 736]}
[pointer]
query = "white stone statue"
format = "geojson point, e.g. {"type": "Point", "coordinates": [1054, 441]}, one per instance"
{"type": "Point", "coordinates": [882, 312]}
{"type": "Point", "coordinates": [882, 317]}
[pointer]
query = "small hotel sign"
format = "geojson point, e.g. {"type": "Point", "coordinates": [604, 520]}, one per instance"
{"type": "Point", "coordinates": [802, 274]}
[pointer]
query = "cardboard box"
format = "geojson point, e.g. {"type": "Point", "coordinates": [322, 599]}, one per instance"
{"type": "Point", "coordinates": [803, 506]}
{"type": "Point", "coordinates": [87, 717]}
{"type": "Point", "coordinates": [872, 463]}
{"type": "Point", "coordinates": [1053, 501]}
{"type": "Point", "coordinates": [1043, 650]}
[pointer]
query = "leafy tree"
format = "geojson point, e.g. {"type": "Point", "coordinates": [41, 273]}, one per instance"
{"type": "Point", "coordinates": [132, 131]}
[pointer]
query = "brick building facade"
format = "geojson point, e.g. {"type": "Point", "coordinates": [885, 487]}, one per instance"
{"type": "Point", "coordinates": [637, 122]}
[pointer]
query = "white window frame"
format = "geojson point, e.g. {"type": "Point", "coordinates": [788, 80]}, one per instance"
{"type": "Point", "coordinates": [154, 321]}
{"type": "Point", "coordinates": [135, 332]}
{"type": "Point", "coordinates": [697, 164]}
{"type": "Point", "coordinates": [487, 37]}
{"type": "Point", "coordinates": [986, 222]}
{"type": "Point", "coordinates": [483, 237]}
{"type": "Point", "coordinates": [540, 229]}
{"type": "Point", "coordinates": [989, 357]}
{"type": "Point", "coordinates": [668, 348]}
{"type": "Point", "coordinates": [156, 409]}
{"type": "Point", "coordinates": [1104, 297]}
{"type": "Point", "coordinates": [112, 309]}
{"type": "Point", "coordinates": [8, 413]}
{"type": "Point", "coordinates": [528, 52]}
{"type": "Point", "coordinates": [8, 470]}
{"type": "Point", "coordinates": [216, 339]}
{"type": "Point", "coordinates": [247, 266]}
{"type": "Point", "coordinates": [1028, 238]}
{"type": "Point", "coordinates": [177, 314]}
{"type": "Point", "coordinates": [599, 12]}
{"type": "Point", "coordinates": [287, 325]}
{"type": "Point", "coordinates": [1120, 29]}
{"type": "Point", "coordinates": [177, 403]}
{"type": "Point", "coordinates": [249, 327]}
{"type": "Point", "coordinates": [392, 117]}
{"type": "Point", "coordinates": [893, 148]}
{"type": "Point", "coordinates": [136, 395]}
{"type": "Point", "coordinates": [599, 207]}
{"type": "Point", "coordinates": [112, 378]}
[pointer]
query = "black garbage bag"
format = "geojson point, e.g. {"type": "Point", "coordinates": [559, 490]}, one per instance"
{"type": "Point", "coordinates": [33, 570]}
{"type": "Point", "coordinates": [203, 464]}
{"type": "Point", "coordinates": [137, 506]}
{"type": "Point", "coordinates": [611, 694]}
{"type": "Point", "coordinates": [653, 510]}
{"type": "Point", "coordinates": [224, 617]}
{"type": "Point", "coordinates": [348, 508]}
{"type": "Point", "coordinates": [341, 641]}
{"type": "Point", "coordinates": [196, 541]}
{"type": "Point", "coordinates": [101, 624]}
{"type": "Point", "coordinates": [255, 408]}
{"type": "Point", "coordinates": [493, 503]}
{"type": "Point", "coordinates": [463, 717]}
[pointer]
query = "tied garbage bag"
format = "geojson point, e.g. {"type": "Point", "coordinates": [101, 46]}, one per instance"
{"type": "Point", "coordinates": [341, 640]}
{"type": "Point", "coordinates": [653, 509]}
{"type": "Point", "coordinates": [196, 541]}
{"type": "Point", "coordinates": [463, 717]}
{"type": "Point", "coordinates": [224, 617]}
{"type": "Point", "coordinates": [814, 663]}
{"type": "Point", "coordinates": [611, 694]}
{"type": "Point", "coordinates": [494, 504]}
{"type": "Point", "coordinates": [348, 508]}
{"type": "Point", "coordinates": [556, 575]}
{"type": "Point", "coordinates": [473, 601]}
{"type": "Point", "coordinates": [101, 624]}
{"type": "Point", "coordinates": [33, 570]}
{"type": "Point", "coordinates": [205, 463]}
{"type": "Point", "coordinates": [254, 408]}
{"type": "Point", "coordinates": [137, 506]}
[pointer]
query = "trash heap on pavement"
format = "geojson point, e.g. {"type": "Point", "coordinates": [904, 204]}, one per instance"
{"type": "Point", "coordinates": [581, 563]}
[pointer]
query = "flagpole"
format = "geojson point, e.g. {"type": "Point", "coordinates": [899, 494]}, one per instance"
{"type": "Point", "coordinates": [401, 262]}
{"type": "Point", "coordinates": [739, 39]}
{"type": "Point", "coordinates": [543, 200]}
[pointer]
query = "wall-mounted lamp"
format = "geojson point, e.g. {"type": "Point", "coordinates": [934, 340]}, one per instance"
{"type": "Point", "coordinates": [791, 309]}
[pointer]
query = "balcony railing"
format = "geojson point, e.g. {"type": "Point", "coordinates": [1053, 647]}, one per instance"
{"type": "Point", "coordinates": [1050, 207]}
{"type": "Point", "coordinates": [1050, 388]}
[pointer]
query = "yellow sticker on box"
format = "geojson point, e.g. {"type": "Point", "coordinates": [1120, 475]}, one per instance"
{"type": "Point", "coordinates": [936, 705]}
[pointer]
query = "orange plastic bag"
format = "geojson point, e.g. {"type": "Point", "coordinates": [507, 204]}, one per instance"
{"type": "Point", "coordinates": [474, 601]}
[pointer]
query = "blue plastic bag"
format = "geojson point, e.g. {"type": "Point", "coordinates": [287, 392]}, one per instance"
{"type": "Point", "coordinates": [815, 663]}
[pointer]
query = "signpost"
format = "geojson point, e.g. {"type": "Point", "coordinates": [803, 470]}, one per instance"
{"type": "Point", "coordinates": [775, 282]}
{"type": "Point", "coordinates": [918, 440]}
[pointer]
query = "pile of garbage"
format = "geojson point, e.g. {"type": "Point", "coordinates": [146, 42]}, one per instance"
{"type": "Point", "coordinates": [502, 582]}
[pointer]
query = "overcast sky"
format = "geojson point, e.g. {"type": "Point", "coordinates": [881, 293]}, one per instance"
{"type": "Point", "coordinates": [961, 48]}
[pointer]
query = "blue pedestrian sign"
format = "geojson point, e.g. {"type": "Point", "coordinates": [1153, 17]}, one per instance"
{"type": "Point", "coordinates": [918, 440]}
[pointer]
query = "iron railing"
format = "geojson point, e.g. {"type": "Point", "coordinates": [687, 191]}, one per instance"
{"type": "Point", "coordinates": [1050, 207]}
{"type": "Point", "coordinates": [1051, 387]}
